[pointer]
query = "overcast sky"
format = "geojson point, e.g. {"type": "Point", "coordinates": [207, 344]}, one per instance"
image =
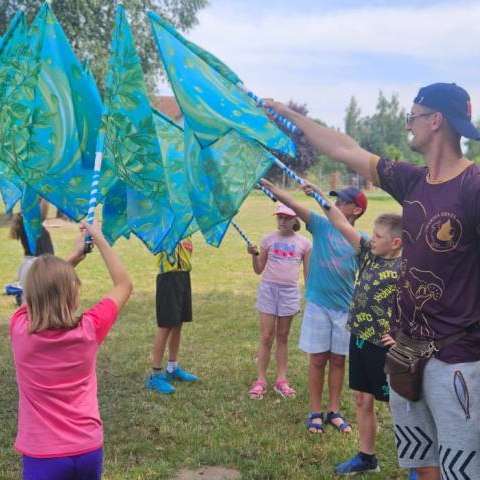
{"type": "Point", "coordinates": [321, 52]}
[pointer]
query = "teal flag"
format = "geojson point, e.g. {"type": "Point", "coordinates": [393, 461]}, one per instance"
{"type": "Point", "coordinates": [209, 101]}
{"type": "Point", "coordinates": [11, 193]}
{"type": "Point", "coordinates": [225, 133]}
{"type": "Point", "coordinates": [11, 185]}
{"type": "Point", "coordinates": [32, 217]}
{"type": "Point", "coordinates": [131, 144]}
{"type": "Point", "coordinates": [50, 116]}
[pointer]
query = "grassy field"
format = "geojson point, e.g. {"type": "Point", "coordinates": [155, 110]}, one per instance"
{"type": "Point", "coordinates": [212, 422]}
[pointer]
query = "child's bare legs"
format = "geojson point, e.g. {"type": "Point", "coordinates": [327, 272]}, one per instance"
{"type": "Point", "coordinates": [336, 375]}
{"type": "Point", "coordinates": [267, 334]}
{"type": "Point", "coordinates": [174, 343]}
{"type": "Point", "coordinates": [316, 378]}
{"type": "Point", "coordinates": [172, 335]}
{"type": "Point", "coordinates": [159, 345]}
{"type": "Point", "coordinates": [367, 421]}
{"type": "Point", "coordinates": [283, 330]}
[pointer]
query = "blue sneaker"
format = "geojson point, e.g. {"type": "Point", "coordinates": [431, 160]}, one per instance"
{"type": "Point", "coordinates": [182, 375]}
{"type": "Point", "coordinates": [357, 465]}
{"type": "Point", "coordinates": [160, 384]}
{"type": "Point", "coordinates": [412, 475]}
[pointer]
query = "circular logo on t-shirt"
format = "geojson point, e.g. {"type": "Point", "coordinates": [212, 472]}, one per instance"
{"type": "Point", "coordinates": [443, 232]}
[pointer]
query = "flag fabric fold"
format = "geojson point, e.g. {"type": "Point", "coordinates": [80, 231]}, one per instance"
{"type": "Point", "coordinates": [50, 115]}
{"type": "Point", "coordinates": [132, 145]}
{"type": "Point", "coordinates": [226, 135]}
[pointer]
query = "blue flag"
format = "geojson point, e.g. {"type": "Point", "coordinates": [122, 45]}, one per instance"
{"type": "Point", "coordinates": [131, 144]}
{"type": "Point", "coordinates": [50, 117]}
{"type": "Point", "coordinates": [226, 134]}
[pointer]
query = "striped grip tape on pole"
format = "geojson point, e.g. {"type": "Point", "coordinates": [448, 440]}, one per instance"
{"type": "Point", "coordinates": [93, 200]}
{"type": "Point", "coordinates": [242, 234]}
{"type": "Point", "coordinates": [267, 192]}
{"type": "Point", "coordinates": [323, 203]}
{"type": "Point", "coordinates": [284, 121]}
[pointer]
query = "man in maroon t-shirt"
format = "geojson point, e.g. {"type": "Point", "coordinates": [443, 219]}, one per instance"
{"type": "Point", "coordinates": [439, 282]}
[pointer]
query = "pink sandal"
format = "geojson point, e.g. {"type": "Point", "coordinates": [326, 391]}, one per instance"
{"type": "Point", "coordinates": [284, 389]}
{"type": "Point", "coordinates": [258, 390]}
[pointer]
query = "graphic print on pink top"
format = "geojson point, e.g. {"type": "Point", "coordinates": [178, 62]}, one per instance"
{"type": "Point", "coordinates": [285, 254]}
{"type": "Point", "coordinates": [58, 411]}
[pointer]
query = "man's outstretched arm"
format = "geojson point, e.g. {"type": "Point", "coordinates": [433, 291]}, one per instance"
{"type": "Point", "coordinates": [336, 145]}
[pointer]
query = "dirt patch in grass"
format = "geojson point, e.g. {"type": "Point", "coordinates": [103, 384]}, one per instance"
{"type": "Point", "coordinates": [208, 473]}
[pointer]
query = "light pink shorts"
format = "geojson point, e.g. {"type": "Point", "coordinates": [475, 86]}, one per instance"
{"type": "Point", "coordinates": [277, 299]}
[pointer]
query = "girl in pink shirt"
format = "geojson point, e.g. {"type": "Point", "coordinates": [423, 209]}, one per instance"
{"type": "Point", "coordinates": [60, 433]}
{"type": "Point", "coordinates": [281, 254]}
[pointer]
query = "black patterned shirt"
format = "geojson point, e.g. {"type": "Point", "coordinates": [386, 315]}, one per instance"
{"type": "Point", "coordinates": [371, 311]}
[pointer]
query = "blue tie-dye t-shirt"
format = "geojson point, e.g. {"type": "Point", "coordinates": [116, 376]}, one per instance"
{"type": "Point", "coordinates": [333, 266]}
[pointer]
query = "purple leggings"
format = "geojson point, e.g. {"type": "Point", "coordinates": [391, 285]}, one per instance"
{"type": "Point", "coordinates": [87, 466]}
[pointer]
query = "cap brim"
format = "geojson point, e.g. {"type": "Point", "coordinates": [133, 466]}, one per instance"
{"type": "Point", "coordinates": [464, 128]}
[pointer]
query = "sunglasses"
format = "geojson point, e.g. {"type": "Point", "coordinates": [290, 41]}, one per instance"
{"type": "Point", "coordinates": [410, 116]}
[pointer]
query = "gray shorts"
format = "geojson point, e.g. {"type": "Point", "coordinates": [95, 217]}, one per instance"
{"type": "Point", "coordinates": [443, 428]}
{"type": "Point", "coordinates": [324, 330]}
{"type": "Point", "coordinates": [279, 300]}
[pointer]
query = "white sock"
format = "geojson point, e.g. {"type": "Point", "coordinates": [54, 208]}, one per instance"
{"type": "Point", "coordinates": [171, 366]}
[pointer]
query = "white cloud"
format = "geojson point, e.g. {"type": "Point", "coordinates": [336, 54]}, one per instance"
{"type": "Point", "coordinates": [319, 59]}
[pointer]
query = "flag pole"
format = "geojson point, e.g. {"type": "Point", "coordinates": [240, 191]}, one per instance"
{"type": "Point", "coordinates": [267, 192]}
{"type": "Point", "coordinates": [260, 102]}
{"type": "Point", "coordinates": [88, 245]}
{"type": "Point", "coordinates": [242, 234]}
{"type": "Point", "coordinates": [322, 202]}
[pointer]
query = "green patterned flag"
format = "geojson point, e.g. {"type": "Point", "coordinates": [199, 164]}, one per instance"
{"type": "Point", "coordinates": [50, 116]}
{"type": "Point", "coordinates": [226, 134]}
{"type": "Point", "coordinates": [131, 144]}
{"type": "Point", "coordinates": [11, 185]}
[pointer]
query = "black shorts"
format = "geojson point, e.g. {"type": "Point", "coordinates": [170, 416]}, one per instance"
{"type": "Point", "coordinates": [365, 368]}
{"type": "Point", "coordinates": [173, 299]}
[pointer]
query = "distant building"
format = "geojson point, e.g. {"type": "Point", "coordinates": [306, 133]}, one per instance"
{"type": "Point", "coordinates": [167, 105]}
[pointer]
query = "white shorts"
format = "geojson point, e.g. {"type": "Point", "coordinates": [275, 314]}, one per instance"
{"type": "Point", "coordinates": [324, 330]}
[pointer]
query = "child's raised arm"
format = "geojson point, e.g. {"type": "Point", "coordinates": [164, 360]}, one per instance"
{"type": "Point", "coordinates": [122, 285]}
{"type": "Point", "coordinates": [336, 216]}
{"type": "Point", "coordinates": [306, 265]}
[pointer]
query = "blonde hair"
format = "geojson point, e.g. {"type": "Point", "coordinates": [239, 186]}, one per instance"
{"type": "Point", "coordinates": [51, 293]}
{"type": "Point", "coordinates": [392, 221]}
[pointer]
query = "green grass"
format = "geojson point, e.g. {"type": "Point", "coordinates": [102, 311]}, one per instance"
{"type": "Point", "coordinates": [212, 422]}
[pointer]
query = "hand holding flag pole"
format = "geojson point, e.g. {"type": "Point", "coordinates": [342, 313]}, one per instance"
{"type": "Point", "coordinates": [88, 246]}
{"type": "Point", "coordinates": [261, 103]}
{"type": "Point", "coordinates": [321, 201]}
{"type": "Point", "coordinates": [243, 235]}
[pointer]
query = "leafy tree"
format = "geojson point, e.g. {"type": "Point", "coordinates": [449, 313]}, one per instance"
{"type": "Point", "coordinates": [473, 147]}
{"type": "Point", "coordinates": [383, 132]}
{"type": "Point", "coordinates": [89, 24]}
{"type": "Point", "coordinates": [306, 156]}
{"type": "Point", "coordinates": [353, 120]}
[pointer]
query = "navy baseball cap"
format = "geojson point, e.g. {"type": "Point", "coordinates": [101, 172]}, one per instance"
{"type": "Point", "coordinates": [453, 102]}
{"type": "Point", "coordinates": [351, 195]}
